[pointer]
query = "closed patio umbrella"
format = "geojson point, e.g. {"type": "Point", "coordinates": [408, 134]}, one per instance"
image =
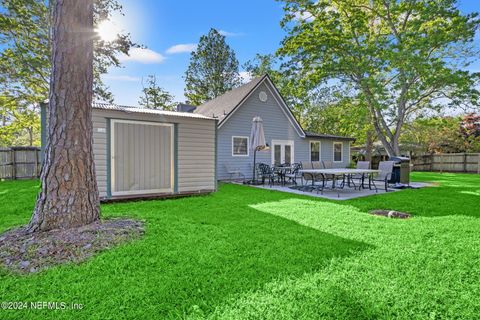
{"type": "Point", "coordinates": [257, 140]}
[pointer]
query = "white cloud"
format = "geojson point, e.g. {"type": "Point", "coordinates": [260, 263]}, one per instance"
{"type": "Point", "coordinates": [143, 55]}
{"type": "Point", "coordinates": [304, 16]}
{"type": "Point", "coordinates": [246, 76]}
{"type": "Point", "coordinates": [181, 48]}
{"type": "Point", "coordinates": [121, 78]}
{"type": "Point", "coordinates": [230, 34]}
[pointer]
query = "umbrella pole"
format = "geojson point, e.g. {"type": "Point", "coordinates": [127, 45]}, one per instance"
{"type": "Point", "coordinates": [254, 160]}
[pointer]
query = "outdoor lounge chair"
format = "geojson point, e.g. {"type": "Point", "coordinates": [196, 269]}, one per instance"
{"type": "Point", "coordinates": [234, 171]}
{"type": "Point", "coordinates": [385, 174]}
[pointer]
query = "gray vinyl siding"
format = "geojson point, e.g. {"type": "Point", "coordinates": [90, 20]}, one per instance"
{"type": "Point", "coordinates": [276, 127]}
{"type": "Point", "coordinates": [195, 153]}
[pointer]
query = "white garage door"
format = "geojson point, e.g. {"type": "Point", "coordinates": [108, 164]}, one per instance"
{"type": "Point", "coordinates": [141, 157]}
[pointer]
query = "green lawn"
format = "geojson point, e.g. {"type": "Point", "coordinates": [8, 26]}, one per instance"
{"type": "Point", "coordinates": [249, 253]}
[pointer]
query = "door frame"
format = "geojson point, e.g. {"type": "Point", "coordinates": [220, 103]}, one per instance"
{"type": "Point", "coordinates": [112, 158]}
{"type": "Point", "coordinates": [282, 143]}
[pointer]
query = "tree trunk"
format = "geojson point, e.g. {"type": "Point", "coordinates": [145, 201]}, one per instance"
{"type": "Point", "coordinates": [369, 146]}
{"type": "Point", "coordinates": [69, 194]}
{"type": "Point", "coordinates": [30, 136]}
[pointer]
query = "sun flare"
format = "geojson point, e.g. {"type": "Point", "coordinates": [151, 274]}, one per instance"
{"type": "Point", "coordinates": [107, 30]}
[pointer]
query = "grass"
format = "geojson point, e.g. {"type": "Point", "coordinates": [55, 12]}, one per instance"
{"type": "Point", "coordinates": [248, 253]}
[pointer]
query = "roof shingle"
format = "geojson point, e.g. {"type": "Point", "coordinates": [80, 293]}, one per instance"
{"type": "Point", "coordinates": [311, 134]}
{"type": "Point", "coordinates": [222, 105]}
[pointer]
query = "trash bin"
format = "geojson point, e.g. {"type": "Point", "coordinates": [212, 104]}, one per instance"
{"type": "Point", "coordinates": [401, 170]}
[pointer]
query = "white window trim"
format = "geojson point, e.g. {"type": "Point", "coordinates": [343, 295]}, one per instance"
{"type": "Point", "coordinates": [291, 143]}
{"type": "Point", "coordinates": [248, 147]}
{"type": "Point", "coordinates": [333, 153]}
{"type": "Point", "coordinates": [319, 149]}
{"type": "Point", "coordinates": [112, 157]}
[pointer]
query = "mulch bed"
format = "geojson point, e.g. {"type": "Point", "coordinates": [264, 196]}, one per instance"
{"type": "Point", "coordinates": [24, 252]}
{"type": "Point", "coordinates": [391, 214]}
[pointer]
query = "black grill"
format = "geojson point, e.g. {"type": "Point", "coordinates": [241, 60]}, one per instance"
{"type": "Point", "coordinates": [401, 170]}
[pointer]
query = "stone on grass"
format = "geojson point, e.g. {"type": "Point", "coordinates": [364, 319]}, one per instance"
{"type": "Point", "coordinates": [391, 214]}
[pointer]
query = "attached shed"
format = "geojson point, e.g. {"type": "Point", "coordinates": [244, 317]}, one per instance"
{"type": "Point", "coordinates": [152, 153]}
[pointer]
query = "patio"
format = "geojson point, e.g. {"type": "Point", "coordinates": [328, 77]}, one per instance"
{"type": "Point", "coordinates": [336, 194]}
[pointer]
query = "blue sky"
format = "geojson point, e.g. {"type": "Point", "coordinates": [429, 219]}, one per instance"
{"type": "Point", "coordinates": [251, 26]}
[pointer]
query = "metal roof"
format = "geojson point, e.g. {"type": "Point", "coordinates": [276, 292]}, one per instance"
{"type": "Point", "coordinates": [130, 109]}
{"type": "Point", "coordinates": [311, 134]}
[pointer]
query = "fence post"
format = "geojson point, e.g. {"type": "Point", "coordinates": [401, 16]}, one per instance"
{"type": "Point", "coordinates": [464, 162]}
{"type": "Point", "coordinates": [478, 167]}
{"type": "Point", "coordinates": [35, 172]}
{"type": "Point", "coordinates": [441, 162]}
{"type": "Point", "coordinates": [14, 164]}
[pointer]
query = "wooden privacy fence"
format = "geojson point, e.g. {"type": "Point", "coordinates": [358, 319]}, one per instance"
{"type": "Point", "coordinates": [20, 163]}
{"type": "Point", "coordinates": [448, 162]}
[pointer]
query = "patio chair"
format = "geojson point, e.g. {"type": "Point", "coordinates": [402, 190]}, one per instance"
{"type": "Point", "coordinates": [294, 174]}
{"type": "Point", "coordinates": [281, 170]}
{"type": "Point", "coordinates": [358, 176]}
{"type": "Point", "coordinates": [307, 176]}
{"type": "Point", "coordinates": [319, 177]}
{"type": "Point", "coordinates": [267, 172]}
{"type": "Point", "coordinates": [234, 171]}
{"type": "Point", "coordinates": [327, 165]}
{"type": "Point", "coordinates": [385, 174]}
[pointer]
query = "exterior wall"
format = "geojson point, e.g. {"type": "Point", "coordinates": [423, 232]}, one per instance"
{"type": "Point", "coordinates": [276, 126]}
{"type": "Point", "coordinates": [195, 168]}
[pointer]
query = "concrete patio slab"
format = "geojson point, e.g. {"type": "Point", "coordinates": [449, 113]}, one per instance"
{"type": "Point", "coordinates": [337, 194]}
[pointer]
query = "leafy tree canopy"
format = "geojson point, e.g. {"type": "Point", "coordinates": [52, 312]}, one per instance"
{"type": "Point", "coordinates": [25, 39]}
{"type": "Point", "coordinates": [25, 62]}
{"type": "Point", "coordinates": [213, 69]}
{"type": "Point", "coordinates": [155, 97]}
{"type": "Point", "coordinates": [396, 58]}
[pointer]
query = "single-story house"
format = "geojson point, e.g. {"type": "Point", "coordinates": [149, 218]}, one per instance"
{"type": "Point", "coordinates": [142, 152]}
{"type": "Point", "coordinates": [288, 142]}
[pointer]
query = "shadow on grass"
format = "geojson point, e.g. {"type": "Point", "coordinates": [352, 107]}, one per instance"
{"type": "Point", "coordinates": [456, 194]}
{"type": "Point", "coordinates": [198, 253]}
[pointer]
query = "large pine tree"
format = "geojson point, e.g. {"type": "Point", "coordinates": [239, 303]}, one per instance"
{"type": "Point", "coordinates": [213, 69]}
{"type": "Point", "coordinates": [69, 194]}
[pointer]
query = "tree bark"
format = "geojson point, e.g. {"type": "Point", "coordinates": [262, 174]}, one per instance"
{"type": "Point", "coordinates": [69, 194]}
{"type": "Point", "coordinates": [30, 136]}
{"type": "Point", "coordinates": [369, 146]}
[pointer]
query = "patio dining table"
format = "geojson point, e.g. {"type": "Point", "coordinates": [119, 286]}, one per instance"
{"type": "Point", "coordinates": [282, 171]}
{"type": "Point", "coordinates": [340, 172]}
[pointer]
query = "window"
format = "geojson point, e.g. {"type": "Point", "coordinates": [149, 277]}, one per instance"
{"type": "Point", "coordinates": [288, 154]}
{"type": "Point", "coordinates": [337, 152]}
{"type": "Point", "coordinates": [240, 146]}
{"type": "Point", "coordinates": [277, 151]}
{"type": "Point", "coordinates": [314, 150]}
